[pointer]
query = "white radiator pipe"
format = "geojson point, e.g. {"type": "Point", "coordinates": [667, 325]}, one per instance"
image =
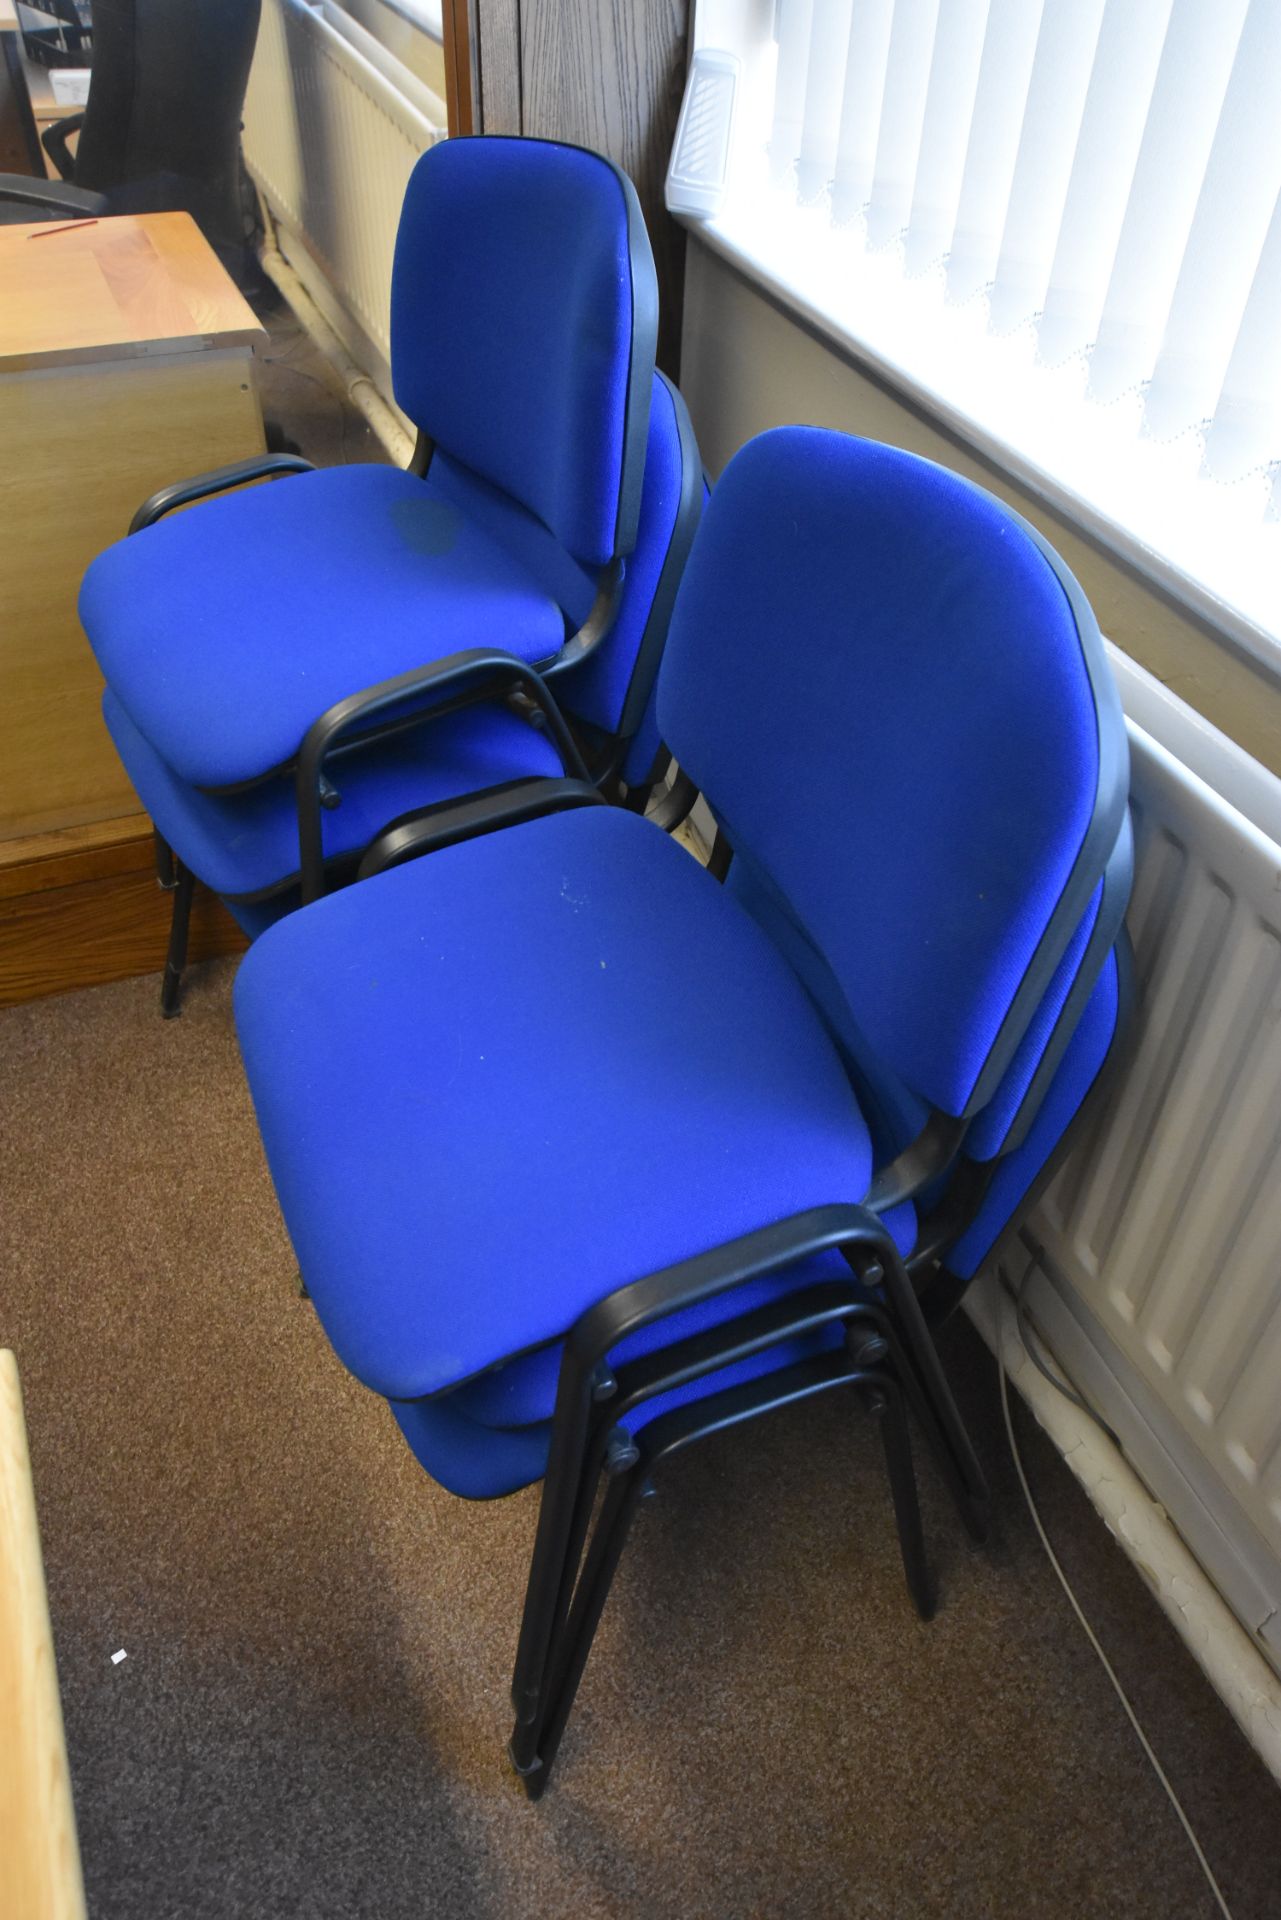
{"type": "Point", "coordinates": [359, 388]}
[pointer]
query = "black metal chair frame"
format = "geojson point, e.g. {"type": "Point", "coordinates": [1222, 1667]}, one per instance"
{"type": "Point", "coordinates": [889, 1358]}
{"type": "Point", "coordinates": [887, 1355]}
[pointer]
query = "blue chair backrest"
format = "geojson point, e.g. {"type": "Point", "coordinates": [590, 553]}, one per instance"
{"type": "Point", "coordinates": [894, 1113]}
{"type": "Point", "coordinates": [612, 689]}
{"type": "Point", "coordinates": [896, 700]}
{"type": "Point", "coordinates": [523, 322]}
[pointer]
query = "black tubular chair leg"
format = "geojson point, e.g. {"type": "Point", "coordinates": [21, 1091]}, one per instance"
{"type": "Point", "coordinates": [176, 959]}
{"type": "Point", "coordinates": [584, 1507]}
{"type": "Point", "coordinates": [534, 1748]}
{"type": "Point", "coordinates": [166, 872]}
{"type": "Point", "coordinates": [885, 1401]}
{"type": "Point", "coordinates": [972, 1499]}
{"type": "Point", "coordinates": [559, 1514]}
{"type": "Point", "coordinates": [537, 1734]}
{"type": "Point", "coordinates": [972, 1504]}
{"type": "Point", "coordinates": [923, 1359]}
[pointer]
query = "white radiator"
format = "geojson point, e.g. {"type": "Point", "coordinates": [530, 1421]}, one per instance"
{"type": "Point", "coordinates": [330, 141]}
{"type": "Point", "coordinates": [1156, 1253]}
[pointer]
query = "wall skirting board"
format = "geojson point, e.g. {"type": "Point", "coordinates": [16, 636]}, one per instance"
{"type": "Point", "coordinates": [80, 907]}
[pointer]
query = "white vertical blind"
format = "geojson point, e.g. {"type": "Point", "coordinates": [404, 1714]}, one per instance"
{"type": "Point", "coordinates": [1009, 48]}
{"type": "Point", "coordinates": [1052, 214]}
{"type": "Point", "coordinates": [1187, 101]}
{"type": "Point", "coordinates": [1056, 91]}
{"type": "Point", "coordinates": [795, 18]}
{"type": "Point", "coordinates": [1113, 117]}
{"type": "Point", "coordinates": [898, 145]}
{"type": "Point", "coordinates": [867, 52]}
{"type": "Point", "coordinates": [1236, 204]}
{"type": "Point", "coordinates": [1246, 430]}
{"type": "Point", "coordinates": [949, 108]}
{"type": "Point", "coordinates": [824, 78]}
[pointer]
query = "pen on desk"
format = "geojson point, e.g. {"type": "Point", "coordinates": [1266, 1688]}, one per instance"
{"type": "Point", "coordinates": [72, 226]}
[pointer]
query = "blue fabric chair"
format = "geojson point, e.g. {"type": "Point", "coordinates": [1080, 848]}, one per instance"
{"type": "Point", "coordinates": [706, 1149]}
{"type": "Point", "coordinates": [252, 846]}
{"type": "Point", "coordinates": [542, 525]}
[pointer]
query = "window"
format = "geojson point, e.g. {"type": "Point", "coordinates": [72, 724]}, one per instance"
{"type": "Point", "coordinates": [1058, 221]}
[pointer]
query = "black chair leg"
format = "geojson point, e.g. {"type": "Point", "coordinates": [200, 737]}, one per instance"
{"type": "Point", "coordinates": [166, 865]}
{"type": "Point", "coordinates": [925, 1370]}
{"type": "Point", "coordinates": [872, 1346]}
{"type": "Point", "coordinates": [972, 1504]}
{"type": "Point", "coordinates": [885, 1401]}
{"type": "Point", "coordinates": [176, 959]}
{"type": "Point", "coordinates": [593, 1465]}
{"type": "Point", "coordinates": [568, 1656]}
{"type": "Point", "coordinates": [561, 1522]}
{"type": "Point", "coordinates": [553, 1581]}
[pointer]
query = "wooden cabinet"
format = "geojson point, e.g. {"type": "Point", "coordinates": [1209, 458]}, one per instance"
{"type": "Point", "coordinates": [126, 361]}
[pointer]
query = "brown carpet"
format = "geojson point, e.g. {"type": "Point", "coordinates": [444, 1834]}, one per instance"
{"type": "Point", "coordinates": [312, 1715]}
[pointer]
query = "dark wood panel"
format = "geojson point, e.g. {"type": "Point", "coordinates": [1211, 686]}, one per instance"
{"type": "Point", "coordinates": [82, 915]}
{"type": "Point", "coordinates": [609, 74]}
{"type": "Point", "coordinates": [496, 55]}
{"type": "Point", "coordinates": [461, 100]}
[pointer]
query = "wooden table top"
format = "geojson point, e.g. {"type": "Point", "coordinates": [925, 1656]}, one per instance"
{"type": "Point", "coordinates": [8, 17]}
{"type": "Point", "coordinates": [115, 289]}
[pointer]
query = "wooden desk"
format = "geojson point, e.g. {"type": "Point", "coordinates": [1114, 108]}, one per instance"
{"type": "Point", "coordinates": [40, 1870]}
{"type": "Point", "coordinates": [126, 362]}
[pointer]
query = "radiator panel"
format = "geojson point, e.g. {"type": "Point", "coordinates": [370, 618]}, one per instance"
{"type": "Point", "coordinates": [1165, 1223]}
{"type": "Point", "coordinates": [331, 143]}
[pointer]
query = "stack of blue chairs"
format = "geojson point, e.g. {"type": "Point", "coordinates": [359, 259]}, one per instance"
{"type": "Point", "coordinates": [291, 667]}
{"type": "Point", "coordinates": [586, 1156]}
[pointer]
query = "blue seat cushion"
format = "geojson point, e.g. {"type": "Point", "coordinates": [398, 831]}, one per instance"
{"type": "Point", "coordinates": [463, 1457]}
{"type": "Point", "coordinates": [496, 1085]}
{"type": "Point", "coordinates": [248, 842]}
{"type": "Point", "coordinates": [224, 631]}
{"type": "Point", "coordinates": [492, 1435]}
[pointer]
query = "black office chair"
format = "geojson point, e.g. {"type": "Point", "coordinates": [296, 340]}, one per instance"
{"type": "Point", "coordinates": [161, 131]}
